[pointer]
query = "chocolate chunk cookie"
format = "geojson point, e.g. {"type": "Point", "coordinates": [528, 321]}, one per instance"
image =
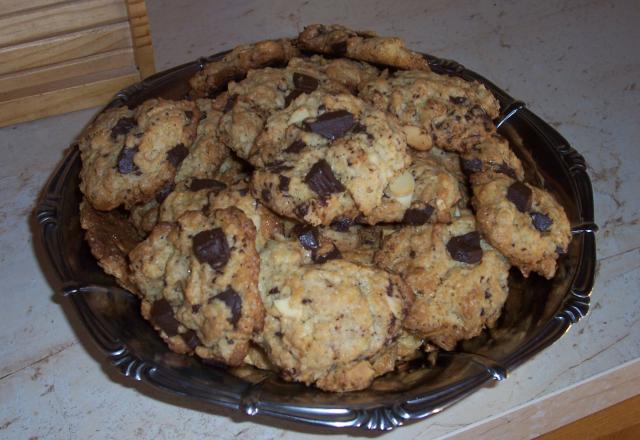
{"type": "Point", "coordinates": [198, 279]}
{"type": "Point", "coordinates": [489, 157]}
{"type": "Point", "coordinates": [523, 222]}
{"type": "Point", "coordinates": [128, 156]}
{"type": "Point", "coordinates": [340, 41]}
{"type": "Point", "coordinates": [459, 281]}
{"type": "Point", "coordinates": [111, 236]}
{"type": "Point", "coordinates": [425, 193]}
{"type": "Point", "coordinates": [351, 74]}
{"type": "Point", "coordinates": [333, 152]}
{"type": "Point", "coordinates": [439, 110]}
{"type": "Point", "coordinates": [331, 324]}
{"type": "Point", "coordinates": [213, 78]}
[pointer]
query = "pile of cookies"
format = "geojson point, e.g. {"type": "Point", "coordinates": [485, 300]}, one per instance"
{"type": "Point", "coordinates": [324, 207]}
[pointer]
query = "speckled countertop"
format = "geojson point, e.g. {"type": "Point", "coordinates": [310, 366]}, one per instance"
{"type": "Point", "coordinates": [575, 63]}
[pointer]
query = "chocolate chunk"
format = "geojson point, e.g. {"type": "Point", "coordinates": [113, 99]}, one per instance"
{"type": "Point", "coordinates": [292, 96]}
{"type": "Point", "coordinates": [231, 102]}
{"type": "Point", "coordinates": [125, 160]}
{"type": "Point", "coordinates": [390, 289]}
{"type": "Point", "coordinates": [487, 294]}
{"type": "Point", "coordinates": [243, 191]}
{"type": "Point", "coordinates": [506, 170]}
{"type": "Point", "coordinates": [277, 166]}
{"type": "Point", "coordinates": [191, 339]}
{"type": "Point", "coordinates": [266, 195]}
{"type": "Point", "coordinates": [188, 114]}
{"type": "Point", "coordinates": [341, 224]}
{"type": "Point", "coordinates": [195, 308]}
{"type": "Point", "coordinates": [177, 154]}
{"type": "Point", "coordinates": [321, 179]}
{"type": "Point", "coordinates": [307, 236]}
{"type": "Point", "coordinates": [212, 184]}
{"type": "Point", "coordinates": [471, 166]}
{"type": "Point", "coordinates": [465, 248]}
{"type": "Point", "coordinates": [274, 291]}
{"type": "Point", "coordinates": [412, 253]}
{"type": "Point", "coordinates": [332, 125]}
{"type": "Point", "coordinates": [520, 195]}
{"type": "Point", "coordinates": [458, 99]}
{"type": "Point", "coordinates": [541, 221]}
{"type": "Point", "coordinates": [333, 254]}
{"type": "Point", "coordinates": [283, 183]}
{"type": "Point", "coordinates": [359, 128]}
{"type": "Point", "coordinates": [417, 216]}
{"type": "Point", "coordinates": [211, 247]}
{"type": "Point", "coordinates": [339, 49]}
{"type": "Point", "coordinates": [231, 298]}
{"type": "Point", "coordinates": [295, 147]}
{"type": "Point", "coordinates": [301, 210]}
{"type": "Point", "coordinates": [165, 191]}
{"type": "Point", "coordinates": [122, 127]}
{"type": "Point", "coordinates": [304, 82]}
{"type": "Point", "coordinates": [203, 116]}
{"type": "Point", "coordinates": [306, 301]}
{"type": "Point", "coordinates": [162, 316]}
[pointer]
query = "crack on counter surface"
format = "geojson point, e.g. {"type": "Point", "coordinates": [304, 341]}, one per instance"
{"type": "Point", "coordinates": [62, 348]}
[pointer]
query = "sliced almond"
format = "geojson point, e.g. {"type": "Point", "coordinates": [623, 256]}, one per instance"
{"type": "Point", "coordinates": [417, 138]}
{"type": "Point", "coordinates": [401, 188]}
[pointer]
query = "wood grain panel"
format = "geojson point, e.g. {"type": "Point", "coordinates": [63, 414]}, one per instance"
{"type": "Point", "coordinates": [12, 6]}
{"type": "Point", "coordinates": [74, 97]}
{"type": "Point", "coordinates": [141, 37]}
{"type": "Point", "coordinates": [14, 83]}
{"type": "Point", "coordinates": [65, 47]}
{"type": "Point", "coordinates": [56, 19]}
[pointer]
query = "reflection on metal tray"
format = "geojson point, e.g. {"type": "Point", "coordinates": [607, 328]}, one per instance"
{"type": "Point", "coordinates": [536, 314]}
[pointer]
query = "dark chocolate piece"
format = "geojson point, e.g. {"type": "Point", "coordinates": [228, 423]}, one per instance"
{"type": "Point", "coordinates": [341, 224]}
{"type": "Point", "coordinates": [189, 114]}
{"type": "Point", "coordinates": [465, 248]}
{"type": "Point", "coordinates": [274, 291]}
{"type": "Point", "coordinates": [265, 194]}
{"type": "Point", "coordinates": [520, 195]}
{"type": "Point", "coordinates": [231, 298]}
{"type": "Point", "coordinates": [122, 127]}
{"type": "Point", "coordinates": [541, 221]}
{"type": "Point", "coordinates": [332, 125]}
{"type": "Point", "coordinates": [321, 179]}
{"type": "Point", "coordinates": [277, 166]}
{"type": "Point", "coordinates": [164, 192]}
{"type": "Point", "coordinates": [417, 216]}
{"type": "Point", "coordinates": [162, 316]}
{"type": "Point", "coordinates": [211, 247]}
{"type": "Point", "coordinates": [125, 160]}
{"type": "Point", "coordinates": [307, 236]}
{"type": "Point", "coordinates": [301, 210]}
{"type": "Point", "coordinates": [212, 184]}
{"type": "Point", "coordinates": [304, 82]}
{"type": "Point", "coordinates": [177, 154]}
{"type": "Point", "coordinates": [333, 254]}
{"type": "Point", "coordinates": [292, 96]}
{"type": "Point", "coordinates": [191, 339]}
{"type": "Point", "coordinates": [471, 166]}
{"type": "Point", "coordinates": [506, 170]}
{"type": "Point", "coordinates": [458, 99]}
{"type": "Point", "coordinates": [339, 49]}
{"type": "Point", "coordinates": [195, 308]}
{"type": "Point", "coordinates": [296, 146]}
{"type": "Point", "coordinates": [283, 183]}
{"type": "Point", "coordinates": [231, 102]}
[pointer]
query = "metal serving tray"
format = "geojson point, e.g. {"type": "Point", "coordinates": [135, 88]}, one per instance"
{"type": "Point", "coordinates": [536, 314]}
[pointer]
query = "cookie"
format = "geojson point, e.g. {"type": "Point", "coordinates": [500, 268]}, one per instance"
{"type": "Point", "coordinates": [436, 110]}
{"type": "Point", "coordinates": [208, 151]}
{"type": "Point", "coordinates": [339, 41]}
{"type": "Point", "coordinates": [111, 236]}
{"type": "Point", "coordinates": [491, 156]}
{"type": "Point", "coordinates": [523, 222]}
{"type": "Point", "coordinates": [128, 156]}
{"type": "Point", "coordinates": [324, 154]}
{"type": "Point", "coordinates": [198, 278]}
{"type": "Point", "coordinates": [214, 76]}
{"type": "Point", "coordinates": [459, 281]}
{"type": "Point", "coordinates": [248, 103]}
{"type": "Point", "coordinates": [351, 74]}
{"type": "Point", "coordinates": [333, 324]}
{"type": "Point", "coordinates": [425, 192]}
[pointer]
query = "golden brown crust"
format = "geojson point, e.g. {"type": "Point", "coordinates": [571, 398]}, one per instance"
{"type": "Point", "coordinates": [111, 236]}
{"type": "Point", "coordinates": [338, 40]}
